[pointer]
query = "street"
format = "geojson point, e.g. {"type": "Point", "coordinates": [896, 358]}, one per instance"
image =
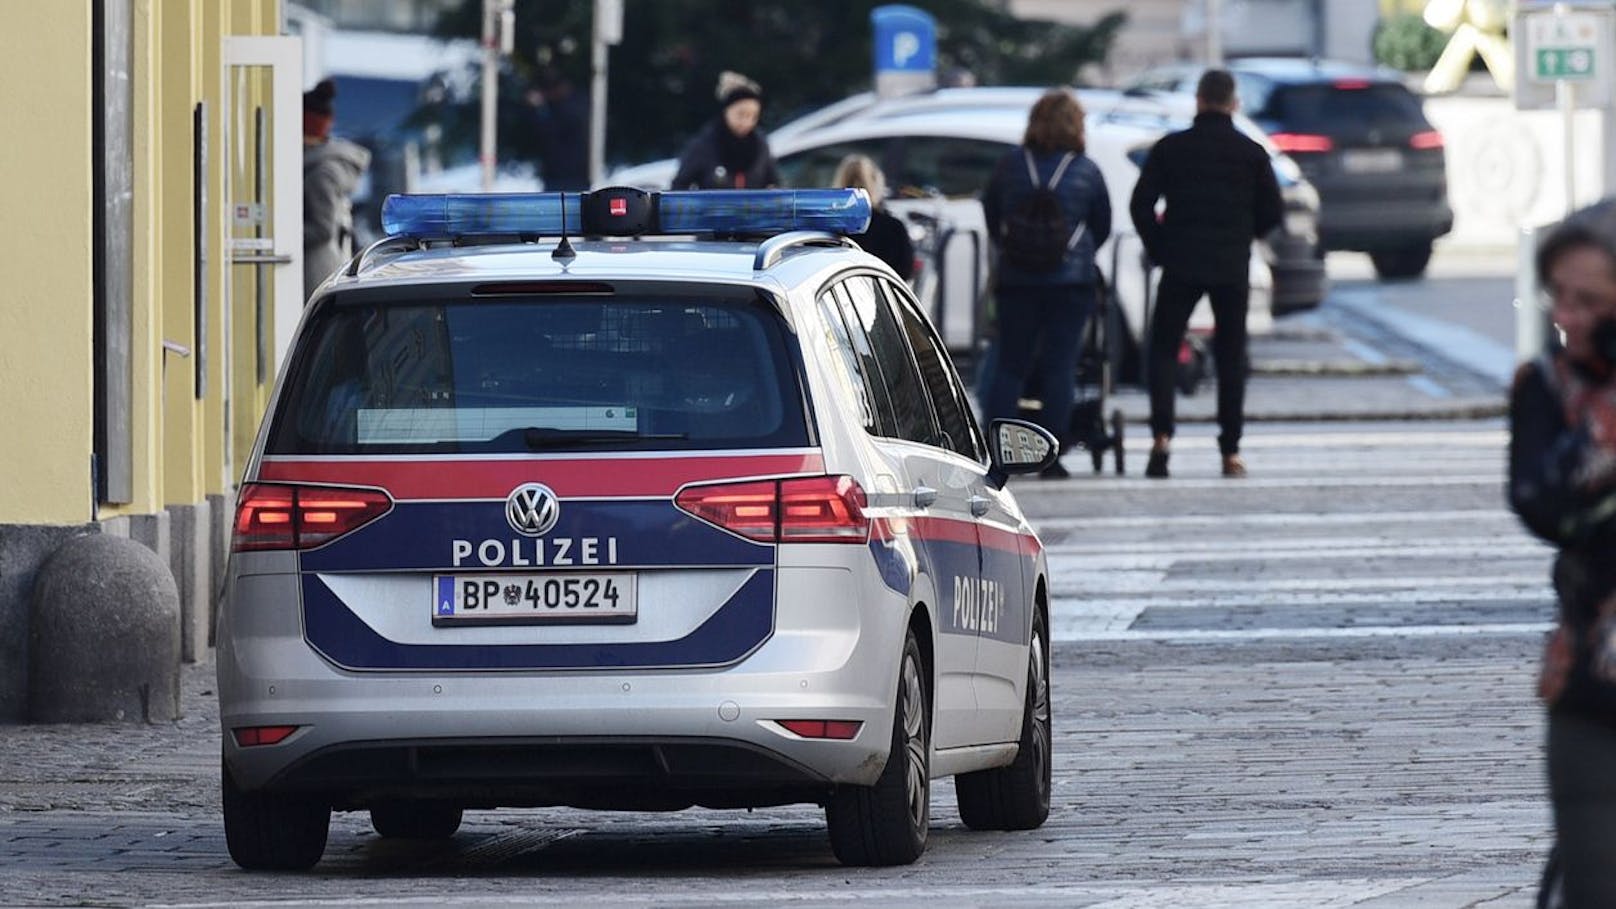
{"type": "Point", "coordinates": [1312, 687]}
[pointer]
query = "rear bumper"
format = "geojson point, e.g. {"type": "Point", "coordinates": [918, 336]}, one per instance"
{"type": "Point", "coordinates": [1347, 224]}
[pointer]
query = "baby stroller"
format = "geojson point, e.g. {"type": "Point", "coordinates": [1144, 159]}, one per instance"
{"type": "Point", "coordinates": [1091, 426]}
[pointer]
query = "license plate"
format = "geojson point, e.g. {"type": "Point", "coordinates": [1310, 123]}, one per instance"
{"type": "Point", "coordinates": [538, 599]}
{"type": "Point", "coordinates": [1371, 160]}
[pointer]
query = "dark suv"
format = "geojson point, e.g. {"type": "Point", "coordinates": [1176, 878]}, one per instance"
{"type": "Point", "coordinates": [1361, 137]}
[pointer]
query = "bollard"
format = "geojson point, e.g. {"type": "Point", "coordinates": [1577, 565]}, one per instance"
{"type": "Point", "coordinates": [104, 635]}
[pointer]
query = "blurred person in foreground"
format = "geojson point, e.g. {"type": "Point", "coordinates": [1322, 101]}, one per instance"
{"type": "Point", "coordinates": [1562, 483]}
{"type": "Point", "coordinates": [332, 169]}
{"type": "Point", "coordinates": [1221, 195]}
{"type": "Point", "coordinates": [886, 238]}
{"type": "Point", "coordinates": [1047, 212]}
{"type": "Point", "coordinates": [730, 152]}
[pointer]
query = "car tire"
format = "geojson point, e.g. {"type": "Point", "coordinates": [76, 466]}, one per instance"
{"type": "Point", "coordinates": [415, 820]}
{"type": "Point", "coordinates": [887, 823]}
{"type": "Point", "coordinates": [1402, 263]}
{"type": "Point", "coordinates": [1017, 797]}
{"type": "Point", "coordinates": [273, 831]}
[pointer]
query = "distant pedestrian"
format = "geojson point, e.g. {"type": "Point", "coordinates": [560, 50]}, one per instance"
{"type": "Point", "coordinates": [332, 169]}
{"type": "Point", "coordinates": [730, 152]}
{"type": "Point", "coordinates": [886, 238]}
{"type": "Point", "coordinates": [1562, 482]}
{"type": "Point", "coordinates": [1047, 212]}
{"type": "Point", "coordinates": [1221, 194]}
{"type": "Point", "coordinates": [561, 130]}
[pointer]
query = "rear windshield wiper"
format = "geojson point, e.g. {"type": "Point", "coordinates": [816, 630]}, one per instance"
{"type": "Point", "coordinates": [543, 437]}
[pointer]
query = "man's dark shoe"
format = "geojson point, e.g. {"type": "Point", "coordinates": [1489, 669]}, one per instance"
{"type": "Point", "coordinates": [1234, 466]}
{"type": "Point", "coordinates": [1055, 471]}
{"type": "Point", "coordinates": [1156, 467]}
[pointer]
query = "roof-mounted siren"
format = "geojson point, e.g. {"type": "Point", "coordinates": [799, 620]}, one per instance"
{"type": "Point", "coordinates": [619, 211]}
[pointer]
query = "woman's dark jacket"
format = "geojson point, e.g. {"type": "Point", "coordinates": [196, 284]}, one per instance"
{"type": "Point", "coordinates": [716, 158]}
{"type": "Point", "coordinates": [1221, 194]}
{"type": "Point", "coordinates": [1545, 456]}
{"type": "Point", "coordinates": [1083, 198]}
{"type": "Point", "coordinates": [887, 239]}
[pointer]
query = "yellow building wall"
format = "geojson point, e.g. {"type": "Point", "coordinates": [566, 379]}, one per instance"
{"type": "Point", "coordinates": [46, 327]}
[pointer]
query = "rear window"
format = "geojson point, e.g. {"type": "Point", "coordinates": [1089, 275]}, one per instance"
{"type": "Point", "coordinates": [541, 374]}
{"type": "Point", "coordinates": [1325, 105]}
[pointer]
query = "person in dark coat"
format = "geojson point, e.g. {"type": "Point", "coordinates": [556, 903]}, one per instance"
{"type": "Point", "coordinates": [332, 169]}
{"type": "Point", "coordinates": [1221, 194]}
{"type": "Point", "coordinates": [730, 152]}
{"type": "Point", "coordinates": [1041, 312]}
{"type": "Point", "coordinates": [886, 238]}
{"type": "Point", "coordinates": [1562, 483]}
{"type": "Point", "coordinates": [561, 128]}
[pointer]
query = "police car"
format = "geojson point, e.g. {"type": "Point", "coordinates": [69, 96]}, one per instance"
{"type": "Point", "coordinates": [693, 511]}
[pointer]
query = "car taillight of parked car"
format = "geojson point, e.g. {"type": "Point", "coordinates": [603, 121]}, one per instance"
{"type": "Point", "coordinates": [1425, 140]}
{"type": "Point", "coordinates": [1302, 143]}
{"type": "Point", "coordinates": [276, 516]}
{"type": "Point", "coordinates": [799, 510]}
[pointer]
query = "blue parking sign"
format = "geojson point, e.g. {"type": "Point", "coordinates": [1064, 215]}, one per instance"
{"type": "Point", "coordinates": [905, 39]}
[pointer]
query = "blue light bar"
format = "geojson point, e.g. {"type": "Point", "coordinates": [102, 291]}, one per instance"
{"type": "Point", "coordinates": [765, 211]}
{"type": "Point", "coordinates": [467, 215]}
{"type": "Point", "coordinates": [618, 211]}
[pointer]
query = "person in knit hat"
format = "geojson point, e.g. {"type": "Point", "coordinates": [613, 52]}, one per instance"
{"type": "Point", "coordinates": [332, 169]}
{"type": "Point", "coordinates": [730, 152]}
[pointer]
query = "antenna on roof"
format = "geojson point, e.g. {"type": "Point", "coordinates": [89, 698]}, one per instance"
{"type": "Point", "coordinates": [563, 249]}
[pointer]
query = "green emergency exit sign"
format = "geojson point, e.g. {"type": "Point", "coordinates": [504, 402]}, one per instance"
{"type": "Point", "coordinates": [1570, 63]}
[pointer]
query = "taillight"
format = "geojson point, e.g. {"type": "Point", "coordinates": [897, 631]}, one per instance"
{"type": "Point", "coordinates": [1351, 85]}
{"type": "Point", "coordinates": [1291, 143]}
{"type": "Point", "coordinates": [272, 516]}
{"type": "Point", "coordinates": [798, 510]}
{"type": "Point", "coordinates": [1426, 140]}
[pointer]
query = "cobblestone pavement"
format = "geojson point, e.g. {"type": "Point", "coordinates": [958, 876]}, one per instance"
{"type": "Point", "coordinates": [1309, 688]}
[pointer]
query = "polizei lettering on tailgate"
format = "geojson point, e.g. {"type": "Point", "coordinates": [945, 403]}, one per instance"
{"type": "Point", "coordinates": [977, 603]}
{"type": "Point", "coordinates": [551, 551]}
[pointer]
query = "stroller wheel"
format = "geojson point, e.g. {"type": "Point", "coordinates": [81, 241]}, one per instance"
{"type": "Point", "coordinates": [1097, 457]}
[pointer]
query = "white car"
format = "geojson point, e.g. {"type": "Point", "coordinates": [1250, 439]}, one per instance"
{"type": "Point", "coordinates": [938, 150]}
{"type": "Point", "coordinates": [628, 523]}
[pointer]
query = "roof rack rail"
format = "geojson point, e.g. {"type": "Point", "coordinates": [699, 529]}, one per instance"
{"type": "Point", "coordinates": [393, 244]}
{"type": "Point", "coordinates": [773, 249]}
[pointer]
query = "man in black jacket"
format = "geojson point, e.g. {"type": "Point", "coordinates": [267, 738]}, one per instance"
{"type": "Point", "coordinates": [1221, 194]}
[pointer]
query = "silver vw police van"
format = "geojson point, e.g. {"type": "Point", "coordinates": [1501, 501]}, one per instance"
{"type": "Point", "coordinates": [628, 501]}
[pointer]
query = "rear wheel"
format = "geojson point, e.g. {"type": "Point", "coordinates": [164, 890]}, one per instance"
{"type": "Point", "coordinates": [887, 823]}
{"type": "Point", "coordinates": [1402, 263]}
{"type": "Point", "coordinates": [1017, 797]}
{"type": "Point", "coordinates": [273, 832]}
{"type": "Point", "coordinates": [415, 820]}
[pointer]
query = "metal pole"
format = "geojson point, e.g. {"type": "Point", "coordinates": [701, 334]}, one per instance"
{"type": "Point", "coordinates": [597, 106]}
{"type": "Point", "coordinates": [487, 147]}
{"type": "Point", "coordinates": [1214, 33]}
{"type": "Point", "coordinates": [1565, 95]}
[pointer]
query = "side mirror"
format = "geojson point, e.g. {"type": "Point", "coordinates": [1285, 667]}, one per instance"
{"type": "Point", "coordinates": [1017, 446]}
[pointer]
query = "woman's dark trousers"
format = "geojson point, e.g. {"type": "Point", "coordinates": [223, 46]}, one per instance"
{"type": "Point", "coordinates": [1582, 787]}
{"type": "Point", "coordinates": [1175, 300]}
{"type": "Point", "coordinates": [1040, 328]}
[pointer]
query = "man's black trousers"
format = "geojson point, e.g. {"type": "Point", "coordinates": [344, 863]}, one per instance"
{"type": "Point", "coordinates": [1175, 300]}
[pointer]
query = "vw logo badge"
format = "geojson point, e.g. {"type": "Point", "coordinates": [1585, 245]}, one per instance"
{"type": "Point", "coordinates": [532, 509]}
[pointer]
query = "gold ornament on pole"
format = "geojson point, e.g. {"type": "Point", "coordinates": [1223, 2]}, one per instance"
{"type": "Point", "coordinates": [1475, 27]}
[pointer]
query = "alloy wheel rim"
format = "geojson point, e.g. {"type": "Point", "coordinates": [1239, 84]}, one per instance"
{"type": "Point", "coordinates": [914, 739]}
{"type": "Point", "coordinates": [1040, 709]}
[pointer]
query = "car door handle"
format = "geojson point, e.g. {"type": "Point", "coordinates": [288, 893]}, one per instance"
{"type": "Point", "coordinates": [980, 505]}
{"type": "Point", "coordinates": [925, 496]}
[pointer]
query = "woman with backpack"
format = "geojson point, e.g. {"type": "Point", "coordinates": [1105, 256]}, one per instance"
{"type": "Point", "coordinates": [1047, 212]}
{"type": "Point", "coordinates": [1562, 482]}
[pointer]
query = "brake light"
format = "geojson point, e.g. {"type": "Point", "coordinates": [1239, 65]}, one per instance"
{"type": "Point", "coordinates": [798, 510]}
{"type": "Point", "coordinates": [273, 516]}
{"type": "Point", "coordinates": [1351, 85]}
{"type": "Point", "coordinates": [248, 736]}
{"type": "Point", "coordinates": [1426, 140]}
{"type": "Point", "coordinates": [1291, 143]}
{"type": "Point", "coordinates": [843, 730]}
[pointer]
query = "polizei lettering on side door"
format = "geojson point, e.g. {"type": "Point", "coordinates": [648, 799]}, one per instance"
{"type": "Point", "coordinates": [977, 603]}
{"type": "Point", "coordinates": [552, 551]}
